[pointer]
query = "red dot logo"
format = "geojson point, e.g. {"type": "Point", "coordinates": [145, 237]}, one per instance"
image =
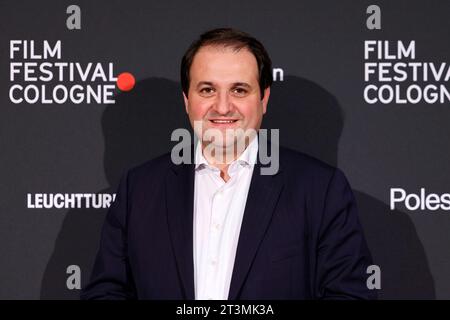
{"type": "Point", "coordinates": [125, 81]}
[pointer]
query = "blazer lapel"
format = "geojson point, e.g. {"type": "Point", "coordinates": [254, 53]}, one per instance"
{"type": "Point", "coordinates": [261, 200]}
{"type": "Point", "coordinates": [180, 206]}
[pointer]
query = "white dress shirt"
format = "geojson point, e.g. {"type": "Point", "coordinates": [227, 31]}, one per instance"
{"type": "Point", "coordinates": [218, 211]}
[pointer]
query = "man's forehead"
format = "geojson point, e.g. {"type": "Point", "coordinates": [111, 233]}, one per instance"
{"type": "Point", "coordinates": [222, 50]}
{"type": "Point", "coordinates": [220, 62]}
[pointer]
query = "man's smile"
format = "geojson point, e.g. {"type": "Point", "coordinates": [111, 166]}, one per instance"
{"type": "Point", "coordinates": [223, 122]}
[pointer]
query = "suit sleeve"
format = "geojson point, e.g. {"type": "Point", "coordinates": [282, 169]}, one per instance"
{"type": "Point", "coordinates": [342, 252]}
{"type": "Point", "coordinates": [111, 276]}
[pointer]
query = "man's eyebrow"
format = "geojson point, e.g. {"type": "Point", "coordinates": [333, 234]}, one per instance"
{"type": "Point", "coordinates": [241, 84]}
{"type": "Point", "coordinates": [204, 83]}
{"type": "Point", "coordinates": [234, 84]}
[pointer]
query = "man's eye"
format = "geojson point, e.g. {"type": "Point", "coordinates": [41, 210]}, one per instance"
{"type": "Point", "coordinates": [239, 91]}
{"type": "Point", "coordinates": [207, 90]}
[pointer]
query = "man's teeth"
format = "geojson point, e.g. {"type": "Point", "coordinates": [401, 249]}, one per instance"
{"type": "Point", "coordinates": [223, 121]}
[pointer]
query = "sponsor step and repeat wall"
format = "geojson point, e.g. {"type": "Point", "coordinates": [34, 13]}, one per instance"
{"type": "Point", "coordinates": [91, 88]}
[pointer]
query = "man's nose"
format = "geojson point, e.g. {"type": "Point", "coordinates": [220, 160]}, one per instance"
{"type": "Point", "coordinates": [223, 103]}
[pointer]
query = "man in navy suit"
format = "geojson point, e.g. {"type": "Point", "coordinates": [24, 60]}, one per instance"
{"type": "Point", "coordinates": [221, 229]}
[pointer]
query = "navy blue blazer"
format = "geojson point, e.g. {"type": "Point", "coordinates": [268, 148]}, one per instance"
{"type": "Point", "coordinates": [300, 236]}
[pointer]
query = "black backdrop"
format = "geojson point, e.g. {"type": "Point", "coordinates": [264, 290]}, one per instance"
{"type": "Point", "coordinates": [318, 106]}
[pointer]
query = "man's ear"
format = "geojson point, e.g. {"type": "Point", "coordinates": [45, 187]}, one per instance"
{"type": "Point", "coordinates": [265, 100]}
{"type": "Point", "coordinates": [185, 102]}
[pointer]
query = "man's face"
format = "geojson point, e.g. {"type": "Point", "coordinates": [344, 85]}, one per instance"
{"type": "Point", "coordinates": [224, 90]}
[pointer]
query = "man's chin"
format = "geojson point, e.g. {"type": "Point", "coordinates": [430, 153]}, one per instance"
{"type": "Point", "coordinates": [222, 146]}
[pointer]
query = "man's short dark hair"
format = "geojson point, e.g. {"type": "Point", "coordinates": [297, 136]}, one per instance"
{"type": "Point", "coordinates": [235, 39]}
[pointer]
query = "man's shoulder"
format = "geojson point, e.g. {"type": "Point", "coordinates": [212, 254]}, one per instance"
{"type": "Point", "coordinates": [296, 160]}
{"type": "Point", "coordinates": [152, 168]}
{"type": "Point", "coordinates": [297, 163]}
{"type": "Point", "coordinates": [309, 173]}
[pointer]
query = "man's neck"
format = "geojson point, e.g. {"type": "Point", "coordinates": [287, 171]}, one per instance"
{"type": "Point", "coordinates": [229, 155]}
